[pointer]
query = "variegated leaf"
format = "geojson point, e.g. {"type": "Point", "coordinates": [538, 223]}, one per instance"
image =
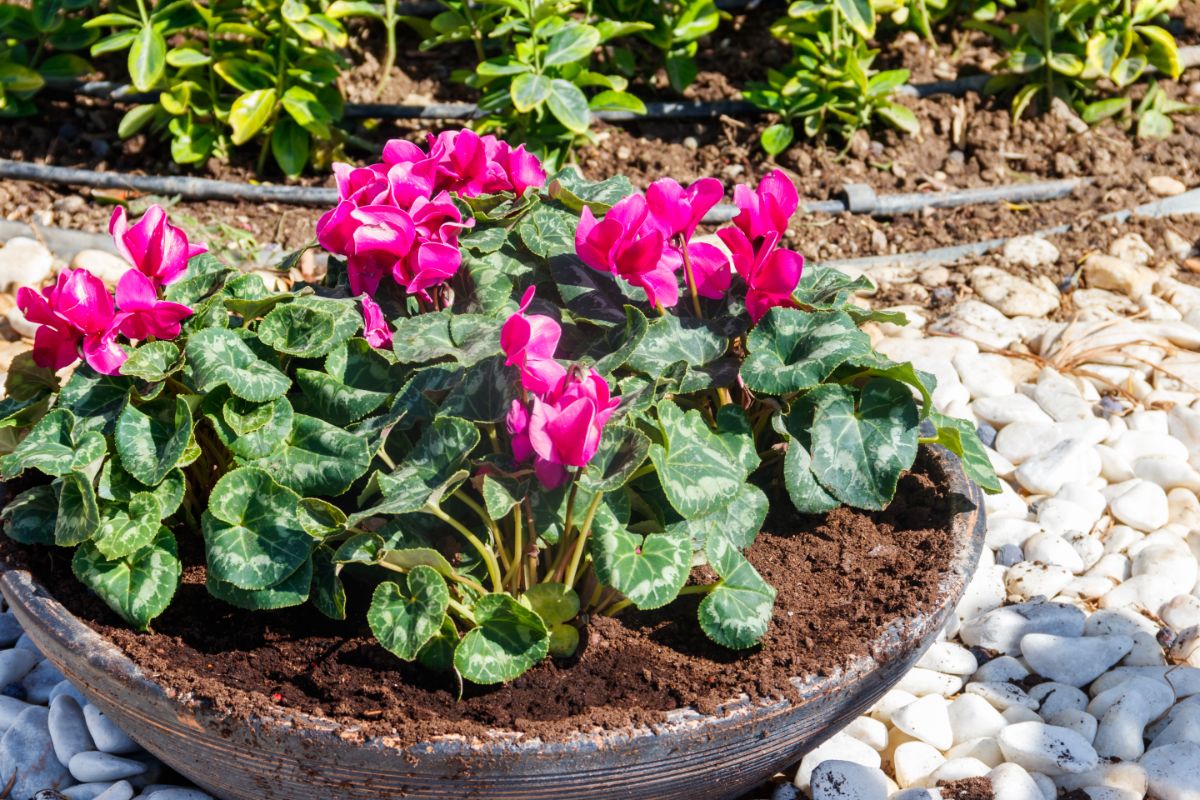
{"type": "Point", "coordinates": [792, 350]}
{"type": "Point", "coordinates": [138, 587]}
{"type": "Point", "coordinates": [650, 571]}
{"type": "Point", "coordinates": [405, 617]}
{"type": "Point", "coordinates": [508, 640]}
{"type": "Point", "coordinates": [219, 357]}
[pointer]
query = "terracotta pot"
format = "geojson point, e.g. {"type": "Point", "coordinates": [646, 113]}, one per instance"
{"type": "Point", "coordinates": [297, 757]}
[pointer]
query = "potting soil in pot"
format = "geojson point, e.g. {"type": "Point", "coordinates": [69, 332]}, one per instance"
{"type": "Point", "coordinates": [841, 579]}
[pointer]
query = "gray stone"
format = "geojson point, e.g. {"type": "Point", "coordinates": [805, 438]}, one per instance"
{"type": "Point", "coordinates": [87, 791]}
{"type": "Point", "coordinates": [1075, 661]}
{"type": "Point", "coordinates": [15, 665]}
{"type": "Point", "coordinates": [1002, 629]}
{"type": "Point", "coordinates": [24, 262]}
{"type": "Point", "coordinates": [108, 737]}
{"type": "Point", "coordinates": [97, 766]}
{"type": "Point", "coordinates": [10, 629]}
{"type": "Point", "coordinates": [10, 709]}
{"type": "Point", "coordinates": [39, 683]}
{"type": "Point", "coordinates": [121, 790]}
{"type": "Point", "coordinates": [28, 752]}
{"type": "Point", "coordinates": [68, 729]}
{"type": "Point", "coordinates": [178, 793]}
{"type": "Point", "coordinates": [65, 687]}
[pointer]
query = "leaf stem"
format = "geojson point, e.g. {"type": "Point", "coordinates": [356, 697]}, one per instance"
{"type": "Point", "coordinates": [512, 578]}
{"type": "Point", "coordinates": [581, 540]}
{"type": "Point", "coordinates": [462, 611]}
{"type": "Point", "coordinates": [489, 558]}
{"type": "Point", "coordinates": [690, 276]}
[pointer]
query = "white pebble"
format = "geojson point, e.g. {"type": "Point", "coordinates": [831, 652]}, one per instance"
{"type": "Point", "coordinates": [1011, 782]}
{"type": "Point", "coordinates": [973, 717]}
{"type": "Point", "coordinates": [1075, 661]}
{"type": "Point", "coordinates": [838, 747]}
{"type": "Point", "coordinates": [915, 761]}
{"type": "Point", "coordinates": [1172, 771]}
{"type": "Point", "coordinates": [926, 719]}
{"type": "Point", "coordinates": [846, 780]}
{"type": "Point", "coordinates": [950, 658]}
{"type": "Point", "coordinates": [1070, 460]}
{"type": "Point", "coordinates": [1047, 749]}
{"type": "Point", "coordinates": [1143, 506]}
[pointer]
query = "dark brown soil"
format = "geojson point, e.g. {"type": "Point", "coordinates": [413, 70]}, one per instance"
{"type": "Point", "coordinates": [967, 789]}
{"type": "Point", "coordinates": [841, 579]}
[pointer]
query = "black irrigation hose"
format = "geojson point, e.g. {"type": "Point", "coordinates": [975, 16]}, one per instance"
{"type": "Point", "coordinates": [857, 199]}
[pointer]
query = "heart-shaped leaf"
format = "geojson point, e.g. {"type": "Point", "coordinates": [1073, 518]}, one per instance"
{"type": "Point", "coordinates": [291, 591]}
{"type": "Point", "coordinates": [555, 603]}
{"type": "Point", "coordinates": [127, 528]}
{"type": "Point", "coordinates": [219, 357]}
{"type": "Point", "coordinates": [862, 442]}
{"type": "Point", "coordinates": [485, 393]}
{"type": "Point", "coordinates": [115, 484]}
{"type": "Point", "coordinates": [138, 587]}
{"type": "Point", "coordinates": [96, 400]}
{"type": "Point", "coordinates": [739, 521]}
{"type": "Point", "coordinates": [266, 426]}
{"type": "Point", "coordinates": [737, 612]}
{"type": "Point", "coordinates": [350, 387]}
{"type": "Point", "coordinates": [317, 458]}
{"type": "Point", "coordinates": [622, 450]}
{"type": "Point", "coordinates": [405, 617]}
{"type": "Point", "coordinates": [960, 437]}
{"type": "Point", "coordinates": [78, 513]}
{"type": "Point", "coordinates": [806, 493]}
{"type": "Point", "coordinates": [649, 571]}
{"type": "Point", "coordinates": [436, 458]}
{"type": "Point", "coordinates": [508, 640]}
{"type": "Point", "coordinates": [151, 439]}
{"type": "Point", "coordinates": [30, 517]}
{"type": "Point", "coordinates": [672, 339]}
{"type": "Point", "coordinates": [309, 327]}
{"type": "Point", "coordinates": [328, 593]}
{"type": "Point", "coordinates": [54, 446]}
{"type": "Point", "coordinates": [792, 350]}
{"type": "Point", "coordinates": [153, 361]}
{"type": "Point", "coordinates": [252, 534]}
{"type": "Point", "coordinates": [698, 471]}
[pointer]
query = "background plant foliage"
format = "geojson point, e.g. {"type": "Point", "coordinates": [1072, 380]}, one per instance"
{"type": "Point", "coordinates": [303, 456]}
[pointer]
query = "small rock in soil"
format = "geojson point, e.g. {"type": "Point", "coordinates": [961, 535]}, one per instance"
{"type": "Point", "coordinates": [1165, 186]}
{"type": "Point", "coordinates": [1030, 251]}
{"type": "Point", "coordinates": [24, 262]}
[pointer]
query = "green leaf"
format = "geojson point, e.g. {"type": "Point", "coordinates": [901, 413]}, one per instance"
{"type": "Point", "coordinates": [611, 100]}
{"type": "Point", "coordinates": [272, 426]}
{"type": "Point", "coordinates": [672, 339]}
{"type": "Point", "coordinates": [410, 558]}
{"type": "Point", "coordinates": [308, 327]}
{"type": "Point", "coordinates": [859, 15]}
{"type": "Point", "coordinates": [308, 111]}
{"type": "Point", "coordinates": [501, 493]}
{"type": "Point", "coordinates": [1104, 109]}
{"type": "Point", "coordinates": [555, 603]}
{"type": "Point", "coordinates": [78, 516]}
{"type": "Point", "coordinates": [354, 384]}
{"type": "Point", "coordinates": [290, 146]}
{"type": "Point", "coordinates": [792, 350]}
{"type": "Point", "coordinates": [153, 361]}
{"type": "Point", "coordinates": [862, 442]}
{"type": "Point", "coordinates": [960, 437]}
{"type": "Point", "coordinates": [30, 517]}
{"type": "Point", "coordinates": [96, 400]}
{"type": "Point", "coordinates": [54, 446]}
{"type": "Point", "coordinates": [250, 113]}
{"type": "Point", "coordinates": [150, 440]}
{"type": "Point", "coordinates": [509, 640]}
{"type": "Point", "coordinates": [806, 493]}
{"type": "Point", "coordinates": [681, 69]}
{"type": "Point", "coordinates": [899, 117]}
{"type": "Point", "coordinates": [622, 450]}
{"type": "Point", "coordinates": [320, 518]}
{"type": "Point", "coordinates": [569, 106]}
{"type": "Point", "coordinates": [650, 571]}
{"type": "Point", "coordinates": [19, 78]}
{"type": "Point", "coordinates": [739, 520]}
{"type": "Point", "coordinates": [438, 652]}
{"type": "Point", "coordinates": [698, 471]}
{"type": "Point", "coordinates": [139, 587]}
{"type": "Point", "coordinates": [220, 357]}
{"type": "Point", "coordinates": [1163, 51]}
{"type": "Point", "coordinates": [126, 529]}
{"type": "Point", "coordinates": [485, 393]}
{"type": "Point", "coordinates": [737, 613]}
{"type": "Point", "coordinates": [776, 138]}
{"type": "Point", "coordinates": [252, 533]}
{"type": "Point", "coordinates": [117, 485]}
{"type": "Point", "coordinates": [571, 44]}
{"type": "Point", "coordinates": [328, 593]}
{"type": "Point", "coordinates": [467, 338]}
{"type": "Point", "coordinates": [317, 458]}
{"type": "Point", "coordinates": [404, 618]}
{"type": "Point", "coordinates": [529, 91]}
{"type": "Point", "coordinates": [243, 75]}
{"type": "Point", "coordinates": [361, 548]}
{"type": "Point", "coordinates": [185, 57]}
{"type": "Point", "coordinates": [548, 231]}
{"type": "Point", "coordinates": [147, 58]}
{"type": "Point", "coordinates": [291, 591]}
{"type": "Point", "coordinates": [443, 447]}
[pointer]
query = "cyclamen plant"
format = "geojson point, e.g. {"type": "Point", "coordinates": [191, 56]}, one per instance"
{"type": "Point", "coordinates": [519, 401]}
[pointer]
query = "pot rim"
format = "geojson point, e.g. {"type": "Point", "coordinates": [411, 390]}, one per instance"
{"type": "Point", "coordinates": [967, 526]}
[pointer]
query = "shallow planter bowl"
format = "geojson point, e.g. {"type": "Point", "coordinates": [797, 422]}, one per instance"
{"type": "Point", "coordinates": [297, 757]}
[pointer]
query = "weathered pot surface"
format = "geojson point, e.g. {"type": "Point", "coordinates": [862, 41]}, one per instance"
{"type": "Point", "coordinates": [298, 757]}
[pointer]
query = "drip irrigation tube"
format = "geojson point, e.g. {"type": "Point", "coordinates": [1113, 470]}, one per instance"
{"type": "Point", "coordinates": [857, 199]}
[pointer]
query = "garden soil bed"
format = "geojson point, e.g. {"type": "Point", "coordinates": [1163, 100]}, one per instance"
{"type": "Point", "coordinates": [842, 578]}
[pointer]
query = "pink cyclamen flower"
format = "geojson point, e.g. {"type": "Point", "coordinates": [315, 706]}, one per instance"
{"type": "Point", "coordinates": [158, 249]}
{"type": "Point", "coordinates": [375, 327]}
{"type": "Point", "coordinates": [677, 211]}
{"type": "Point", "coordinates": [142, 314]}
{"type": "Point", "coordinates": [771, 273]}
{"type": "Point", "coordinates": [435, 257]}
{"type": "Point", "coordinates": [76, 312]}
{"type": "Point", "coordinates": [529, 342]}
{"type": "Point", "coordinates": [623, 244]}
{"type": "Point", "coordinates": [767, 210]}
{"type": "Point", "coordinates": [566, 424]}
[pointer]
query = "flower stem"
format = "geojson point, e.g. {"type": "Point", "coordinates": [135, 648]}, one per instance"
{"type": "Point", "coordinates": [691, 278]}
{"type": "Point", "coordinates": [581, 540]}
{"type": "Point", "coordinates": [462, 611]}
{"type": "Point", "coordinates": [489, 558]}
{"type": "Point", "coordinates": [512, 578]}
